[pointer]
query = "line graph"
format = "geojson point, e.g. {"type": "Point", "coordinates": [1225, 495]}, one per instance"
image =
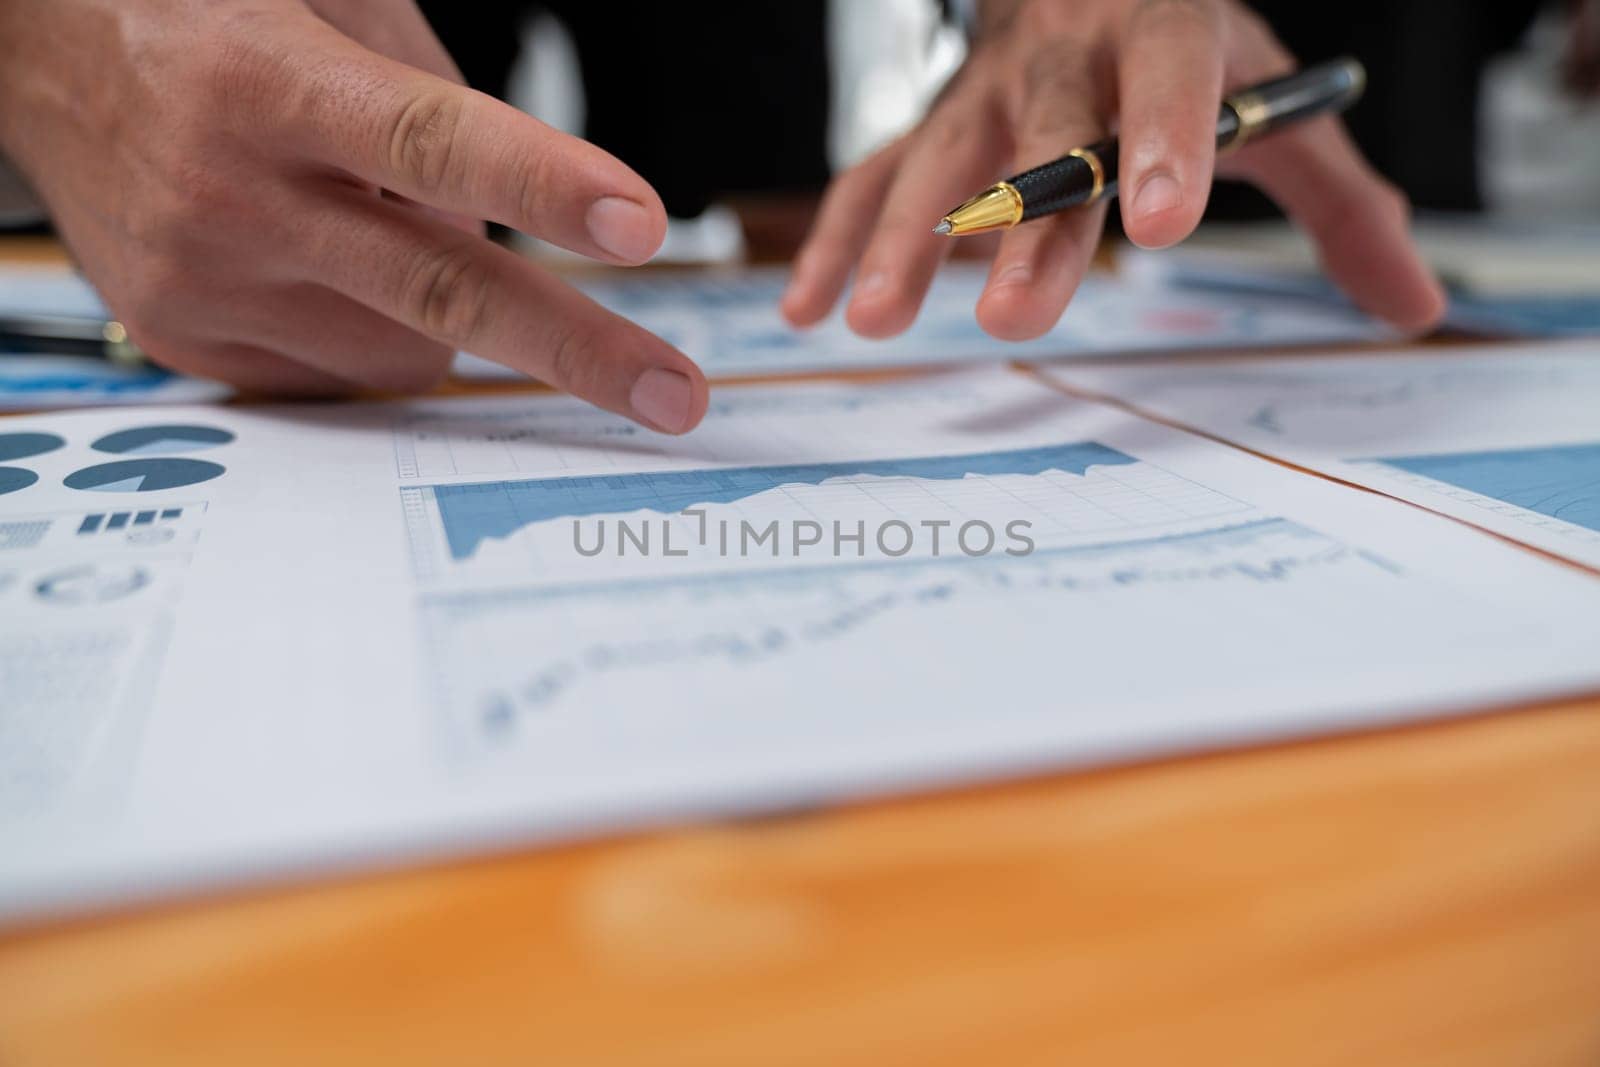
{"type": "Point", "coordinates": [472, 514]}
{"type": "Point", "coordinates": [1212, 584]}
{"type": "Point", "coordinates": [1075, 492]}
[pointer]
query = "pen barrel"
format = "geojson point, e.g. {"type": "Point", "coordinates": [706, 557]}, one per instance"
{"type": "Point", "coordinates": [1081, 178]}
{"type": "Point", "coordinates": [67, 335]}
{"type": "Point", "coordinates": [1088, 174]}
{"type": "Point", "coordinates": [1323, 88]}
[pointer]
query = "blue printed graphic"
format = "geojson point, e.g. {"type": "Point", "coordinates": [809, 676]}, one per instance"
{"type": "Point", "coordinates": [472, 514]}
{"type": "Point", "coordinates": [1562, 482]}
{"type": "Point", "coordinates": [15, 478]}
{"type": "Point", "coordinates": [26, 445]}
{"type": "Point", "coordinates": [162, 440]}
{"type": "Point", "coordinates": [142, 475]}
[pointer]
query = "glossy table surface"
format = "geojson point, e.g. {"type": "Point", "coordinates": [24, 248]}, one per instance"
{"type": "Point", "coordinates": [1421, 896]}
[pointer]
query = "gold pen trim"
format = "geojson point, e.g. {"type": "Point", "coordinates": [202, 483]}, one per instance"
{"type": "Point", "coordinates": [1253, 115]}
{"type": "Point", "coordinates": [1096, 168]}
{"type": "Point", "coordinates": [119, 348]}
{"type": "Point", "coordinates": [998, 207]}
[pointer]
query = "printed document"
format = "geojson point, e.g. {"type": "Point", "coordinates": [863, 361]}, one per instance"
{"type": "Point", "coordinates": [244, 643]}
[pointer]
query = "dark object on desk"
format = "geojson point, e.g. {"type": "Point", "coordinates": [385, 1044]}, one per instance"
{"type": "Point", "coordinates": [65, 335]}
{"type": "Point", "coordinates": [1087, 174]}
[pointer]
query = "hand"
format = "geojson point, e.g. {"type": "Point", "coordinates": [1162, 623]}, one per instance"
{"type": "Point", "coordinates": [1047, 75]}
{"type": "Point", "coordinates": [278, 193]}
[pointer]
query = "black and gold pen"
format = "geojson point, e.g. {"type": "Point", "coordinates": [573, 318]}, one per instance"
{"type": "Point", "coordinates": [67, 335]}
{"type": "Point", "coordinates": [1086, 174]}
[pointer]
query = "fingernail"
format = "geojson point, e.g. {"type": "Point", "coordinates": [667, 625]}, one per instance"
{"type": "Point", "coordinates": [662, 398]}
{"type": "Point", "coordinates": [622, 228]}
{"type": "Point", "coordinates": [1159, 192]}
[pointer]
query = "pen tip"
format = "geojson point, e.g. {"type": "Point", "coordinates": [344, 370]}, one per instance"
{"type": "Point", "coordinates": [943, 227]}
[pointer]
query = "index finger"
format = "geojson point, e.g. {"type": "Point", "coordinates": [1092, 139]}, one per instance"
{"type": "Point", "coordinates": [1360, 222]}
{"type": "Point", "coordinates": [460, 151]}
{"type": "Point", "coordinates": [470, 294]}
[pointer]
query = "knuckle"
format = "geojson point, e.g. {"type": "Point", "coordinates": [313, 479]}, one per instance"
{"type": "Point", "coordinates": [1057, 66]}
{"type": "Point", "coordinates": [247, 71]}
{"type": "Point", "coordinates": [1048, 19]}
{"type": "Point", "coordinates": [421, 135]}
{"type": "Point", "coordinates": [1056, 84]}
{"type": "Point", "coordinates": [533, 179]}
{"type": "Point", "coordinates": [1177, 16]}
{"type": "Point", "coordinates": [574, 360]}
{"type": "Point", "coordinates": [446, 294]}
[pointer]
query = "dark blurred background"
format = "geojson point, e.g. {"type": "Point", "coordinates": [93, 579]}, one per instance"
{"type": "Point", "coordinates": [736, 97]}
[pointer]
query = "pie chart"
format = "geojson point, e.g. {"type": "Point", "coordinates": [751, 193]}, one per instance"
{"type": "Point", "coordinates": [143, 475]}
{"type": "Point", "coordinates": [162, 440]}
{"type": "Point", "coordinates": [23, 445]}
{"type": "Point", "coordinates": [14, 478]}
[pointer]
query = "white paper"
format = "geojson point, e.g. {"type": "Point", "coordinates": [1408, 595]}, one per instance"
{"type": "Point", "coordinates": [365, 633]}
{"type": "Point", "coordinates": [730, 325]}
{"type": "Point", "coordinates": [1506, 437]}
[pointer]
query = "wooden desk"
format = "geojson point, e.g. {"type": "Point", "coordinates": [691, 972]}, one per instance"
{"type": "Point", "coordinates": [1426, 896]}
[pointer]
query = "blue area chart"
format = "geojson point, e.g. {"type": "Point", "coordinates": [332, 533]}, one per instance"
{"type": "Point", "coordinates": [472, 514]}
{"type": "Point", "coordinates": [1562, 482]}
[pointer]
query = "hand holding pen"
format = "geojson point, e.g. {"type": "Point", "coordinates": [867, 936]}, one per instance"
{"type": "Point", "coordinates": [1048, 76]}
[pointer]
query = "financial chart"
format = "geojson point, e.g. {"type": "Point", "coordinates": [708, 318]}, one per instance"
{"type": "Point", "coordinates": [95, 551]}
{"type": "Point", "coordinates": [1071, 493]}
{"type": "Point", "coordinates": [1504, 438]}
{"type": "Point", "coordinates": [1555, 487]}
{"type": "Point", "coordinates": [598, 640]}
{"type": "Point", "coordinates": [526, 636]}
